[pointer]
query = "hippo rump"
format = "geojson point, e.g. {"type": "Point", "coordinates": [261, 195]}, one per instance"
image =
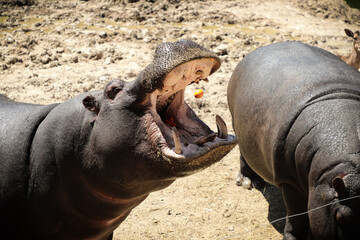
{"type": "Point", "coordinates": [296, 113]}
{"type": "Point", "coordinates": [75, 170]}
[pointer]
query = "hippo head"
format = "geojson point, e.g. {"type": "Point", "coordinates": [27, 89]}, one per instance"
{"type": "Point", "coordinates": [339, 215]}
{"type": "Point", "coordinates": [144, 135]}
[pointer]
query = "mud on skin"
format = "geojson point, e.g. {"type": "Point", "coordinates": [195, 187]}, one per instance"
{"type": "Point", "coordinates": [75, 170]}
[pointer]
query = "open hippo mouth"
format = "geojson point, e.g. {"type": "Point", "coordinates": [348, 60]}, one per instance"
{"type": "Point", "coordinates": [176, 129]}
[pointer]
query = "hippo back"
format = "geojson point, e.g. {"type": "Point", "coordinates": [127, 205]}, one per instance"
{"type": "Point", "coordinates": [269, 89]}
{"type": "Point", "coordinates": [18, 124]}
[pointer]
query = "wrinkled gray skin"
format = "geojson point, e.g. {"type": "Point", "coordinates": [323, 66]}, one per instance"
{"type": "Point", "coordinates": [75, 170]}
{"type": "Point", "coordinates": [296, 113]}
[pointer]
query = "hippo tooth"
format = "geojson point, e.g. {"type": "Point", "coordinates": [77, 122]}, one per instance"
{"type": "Point", "coordinates": [221, 126]}
{"type": "Point", "coordinates": [201, 140]}
{"type": "Point", "coordinates": [176, 139]}
{"type": "Point", "coordinates": [206, 79]}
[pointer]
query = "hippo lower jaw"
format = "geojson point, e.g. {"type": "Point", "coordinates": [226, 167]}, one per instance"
{"type": "Point", "coordinates": [175, 129]}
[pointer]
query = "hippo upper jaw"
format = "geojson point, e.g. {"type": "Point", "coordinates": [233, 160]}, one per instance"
{"type": "Point", "coordinates": [185, 142]}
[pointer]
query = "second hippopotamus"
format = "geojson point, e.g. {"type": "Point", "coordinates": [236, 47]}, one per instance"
{"type": "Point", "coordinates": [296, 112]}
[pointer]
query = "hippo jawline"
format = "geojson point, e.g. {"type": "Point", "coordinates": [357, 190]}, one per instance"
{"type": "Point", "coordinates": [175, 129]}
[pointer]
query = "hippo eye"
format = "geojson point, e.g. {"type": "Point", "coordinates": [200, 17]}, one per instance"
{"type": "Point", "coordinates": [113, 88]}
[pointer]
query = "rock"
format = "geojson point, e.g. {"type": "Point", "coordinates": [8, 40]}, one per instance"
{"type": "Point", "coordinates": [221, 50]}
{"type": "Point", "coordinates": [14, 60]}
{"type": "Point", "coordinates": [29, 43]}
{"type": "Point", "coordinates": [247, 42]}
{"type": "Point", "coordinates": [118, 56]}
{"type": "Point", "coordinates": [103, 79]}
{"type": "Point", "coordinates": [54, 64]}
{"type": "Point", "coordinates": [96, 55]}
{"type": "Point", "coordinates": [147, 39]}
{"type": "Point", "coordinates": [219, 38]}
{"type": "Point", "coordinates": [88, 87]}
{"type": "Point", "coordinates": [45, 60]}
{"type": "Point", "coordinates": [46, 52]}
{"type": "Point", "coordinates": [60, 50]}
{"type": "Point", "coordinates": [4, 67]}
{"type": "Point", "coordinates": [75, 59]}
{"type": "Point", "coordinates": [32, 57]}
{"type": "Point", "coordinates": [108, 60]}
{"type": "Point", "coordinates": [231, 21]}
{"type": "Point", "coordinates": [85, 52]}
{"type": "Point", "coordinates": [103, 34]}
{"type": "Point", "coordinates": [10, 40]}
{"type": "Point", "coordinates": [180, 19]}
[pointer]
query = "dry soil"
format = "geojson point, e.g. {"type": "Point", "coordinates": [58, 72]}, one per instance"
{"type": "Point", "coordinates": [53, 50]}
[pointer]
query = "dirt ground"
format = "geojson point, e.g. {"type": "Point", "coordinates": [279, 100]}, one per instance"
{"type": "Point", "coordinates": [53, 50]}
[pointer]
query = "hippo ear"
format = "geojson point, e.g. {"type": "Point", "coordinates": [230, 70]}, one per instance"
{"type": "Point", "coordinates": [349, 33]}
{"type": "Point", "coordinates": [339, 186]}
{"type": "Point", "coordinates": [113, 88]}
{"type": "Point", "coordinates": [91, 104]}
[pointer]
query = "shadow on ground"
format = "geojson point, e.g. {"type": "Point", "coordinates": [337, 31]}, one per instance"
{"type": "Point", "coordinates": [277, 211]}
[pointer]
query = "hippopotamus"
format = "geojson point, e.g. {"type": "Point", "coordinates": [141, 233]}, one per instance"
{"type": "Point", "coordinates": [75, 170]}
{"type": "Point", "coordinates": [296, 112]}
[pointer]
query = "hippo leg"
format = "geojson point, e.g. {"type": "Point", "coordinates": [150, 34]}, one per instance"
{"type": "Point", "coordinates": [247, 177]}
{"type": "Point", "coordinates": [296, 227]}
